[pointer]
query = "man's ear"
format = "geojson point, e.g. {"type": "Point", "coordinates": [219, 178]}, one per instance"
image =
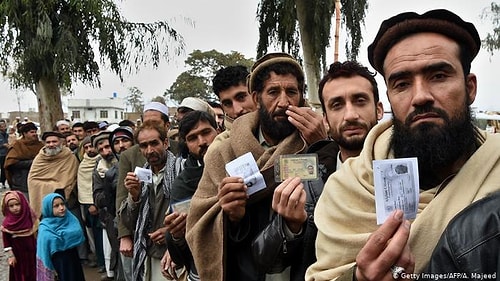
{"type": "Point", "coordinates": [255, 98]}
{"type": "Point", "coordinates": [471, 84]}
{"type": "Point", "coordinates": [166, 143]}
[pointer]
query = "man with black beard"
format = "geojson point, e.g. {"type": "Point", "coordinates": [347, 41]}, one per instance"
{"type": "Point", "coordinates": [197, 130]}
{"type": "Point", "coordinates": [222, 215]}
{"type": "Point", "coordinates": [425, 61]}
{"type": "Point", "coordinates": [53, 170]}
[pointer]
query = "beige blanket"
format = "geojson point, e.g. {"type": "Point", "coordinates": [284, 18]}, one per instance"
{"type": "Point", "coordinates": [205, 223]}
{"type": "Point", "coordinates": [49, 173]}
{"type": "Point", "coordinates": [345, 214]}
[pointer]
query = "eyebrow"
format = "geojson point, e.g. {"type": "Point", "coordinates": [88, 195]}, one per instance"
{"type": "Point", "coordinates": [444, 66]}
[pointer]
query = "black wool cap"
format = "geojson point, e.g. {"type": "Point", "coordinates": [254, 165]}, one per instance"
{"type": "Point", "coordinates": [440, 21]}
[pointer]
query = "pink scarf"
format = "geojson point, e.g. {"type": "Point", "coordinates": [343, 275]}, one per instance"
{"type": "Point", "coordinates": [22, 224]}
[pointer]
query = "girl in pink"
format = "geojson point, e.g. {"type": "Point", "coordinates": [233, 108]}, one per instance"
{"type": "Point", "coordinates": [18, 232]}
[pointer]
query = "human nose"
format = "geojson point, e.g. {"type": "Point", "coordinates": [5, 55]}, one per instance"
{"type": "Point", "coordinates": [421, 93]}
{"type": "Point", "coordinates": [283, 99]}
{"type": "Point", "coordinates": [350, 112]}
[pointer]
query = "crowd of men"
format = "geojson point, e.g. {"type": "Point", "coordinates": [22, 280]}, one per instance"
{"type": "Point", "coordinates": [157, 207]}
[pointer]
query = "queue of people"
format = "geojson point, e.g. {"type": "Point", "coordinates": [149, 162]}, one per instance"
{"type": "Point", "coordinates": [153, 208]}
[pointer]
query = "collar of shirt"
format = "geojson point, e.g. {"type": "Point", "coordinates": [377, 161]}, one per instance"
{"type": "Point", "coordinates": [262, 140]}
{"type": "Point", "coordinates": [157, 178]}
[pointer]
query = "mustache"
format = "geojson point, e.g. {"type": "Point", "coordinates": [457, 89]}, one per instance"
{"type": "Point", "coordinates": [280, 112]}
{"type": "Point", "coordinates": [352, 124]}
{"type": "Point", "coordinates": [426, 109]}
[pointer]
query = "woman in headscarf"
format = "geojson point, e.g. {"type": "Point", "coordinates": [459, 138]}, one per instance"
{"type": "Point", "coordinates": [18, 232]}
{"type": "Point", "coordinates": [58, 236]}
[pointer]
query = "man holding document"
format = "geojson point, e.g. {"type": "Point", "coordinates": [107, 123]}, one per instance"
{"type": "Point", "coordinates": [425, 61]}
{"type": "Point", "coordinates": [223, 218]}
{"type": "Point", "coordinates": [149, 191]}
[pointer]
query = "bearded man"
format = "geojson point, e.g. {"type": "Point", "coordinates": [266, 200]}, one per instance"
{"type": "Point", "coordinates": [425, 61]}
{"type": "Point", "coordinates": [53, 170]}
{"type": "Point", "coordinates": [20, 157]}
{"type": "Point", "coordinates": [221, 215]}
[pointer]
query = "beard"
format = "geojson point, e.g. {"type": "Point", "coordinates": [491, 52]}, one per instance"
{"type": "Point", "coordinates": [355, 142]}
{"type": "Point", "coordinates": [53, 151]}
{"type": "Point", "coordinates": [434, 146]}
{"type": "Point", "coordinates": [108, 158]}
{"type": "Point", "coordinates": [276, 130]}
{"type": "Point", "coordinates": [72, 146]}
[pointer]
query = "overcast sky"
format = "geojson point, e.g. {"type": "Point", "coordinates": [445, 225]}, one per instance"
{"type": "Point", "coordinates": [227, 25]}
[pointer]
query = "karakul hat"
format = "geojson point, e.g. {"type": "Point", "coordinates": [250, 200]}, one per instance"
{"type": "Point", "coordinates": [440, 21]}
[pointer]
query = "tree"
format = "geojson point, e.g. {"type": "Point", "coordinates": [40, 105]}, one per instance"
{"type": "Point", "coordinates": [492, 40]}
{"type": "Point", "coordinates": [134, 99]}
{"type": "Point", "coordinates": [50, 44]}
{"type": "Point", "coordinates": [278, 21]}
{"type": "Point", "coordinates": [197, 80]}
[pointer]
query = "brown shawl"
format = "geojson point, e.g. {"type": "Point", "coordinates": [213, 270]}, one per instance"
{"type": "Point", "coordinates": [205, 223]}
{"type": "Point", "coordinates": [49, 173]}
{"type": "Point", "coordinates": [345, 213]}
{"type": "Point", "coordinates": [20, 150]}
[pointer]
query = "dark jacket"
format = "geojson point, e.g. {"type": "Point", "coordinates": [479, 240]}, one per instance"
{"type": "Point", "coordinates": [470, 244]}
{"type": "Point", "coordinates": [272, 251]}
{"type": "Point", "coordinates": [183, 188]}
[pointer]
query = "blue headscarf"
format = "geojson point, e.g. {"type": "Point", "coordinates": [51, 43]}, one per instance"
{"type": "Point", "coordinates": [55, 234]}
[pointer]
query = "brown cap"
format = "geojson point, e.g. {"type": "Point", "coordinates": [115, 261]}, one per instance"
{"type": "Point", "coordinates": [440, 21]}
{"type": "Point", "coordinates": [267, 60]}
{"type": "Point", "coordinates": [52, 134]}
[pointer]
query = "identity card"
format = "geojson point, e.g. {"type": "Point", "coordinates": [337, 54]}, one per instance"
{"type": "Point", "coordinates": [304, 166]}
{"type": "Point", "coordinates": [396, 187]}
{"type": "Point", "coordinates": [246, 167]}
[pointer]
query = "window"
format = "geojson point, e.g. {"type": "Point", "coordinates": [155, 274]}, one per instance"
{"type": "Point", "coordinates": [116, 114]}
{"type": "Point", "coordinates": [76, 114]}
{"type": "Point", "coordinates": [103, 114]}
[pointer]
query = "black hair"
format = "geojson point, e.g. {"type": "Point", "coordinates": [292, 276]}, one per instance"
{"type": "Point", "coordinates": [347, 69]}
{"type": "Point", "coordinates": [228, 77]}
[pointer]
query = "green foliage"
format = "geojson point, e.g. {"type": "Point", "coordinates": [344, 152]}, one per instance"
{"type": "Point", "coordinates": [134, 99]}
{"type": "Point", "coordinates": [197, 80]}
{"type": "Point", "coordinates": [58, 39]}
{"type": "Point", "coordinates": [278, 25]}
{"type": "Point", "coordinates": [492, 40]}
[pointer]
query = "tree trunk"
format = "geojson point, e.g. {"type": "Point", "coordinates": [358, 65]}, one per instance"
{"type": "Point", "coordinates": [311, 62]}
{"type": "Point", "coordinates": [49, 103]}
{"type": "Point", "coordinates": [337, 30]}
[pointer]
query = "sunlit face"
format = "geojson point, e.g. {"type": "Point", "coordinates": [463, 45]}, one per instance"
{"type": "Point", "coordinates": [79, 132]}
{"type": "Point", "coordinates": [154, 116]}
{"type": "Point", "coordinates": [152, 147]}
{"type": "Point", "coordinates": [14, 206]}
{"type": "Point", "coordinates": [236, 101]}
{"type": "Point", "coordinates": [199, 138]}
{"type": "Point", "coordinates": [278, 93]}
{"type": "Point", "coordinates": [424, 71]}
{"type": "Point", "coordinates": [63, 128]}
{"type": "Point", "coordinates": [52, 142]}
{"type": "Point", "coordinates": [121, 144]}
{"type": "Point", "coordinates": [58, 207]}
{"type": "Point", "coordinates": [350, 110]}
{"type": "Point", "coordinates": [72, 142]}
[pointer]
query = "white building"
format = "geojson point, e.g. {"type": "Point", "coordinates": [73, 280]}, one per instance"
{"type": "Point", "coordinates": [110, 109]}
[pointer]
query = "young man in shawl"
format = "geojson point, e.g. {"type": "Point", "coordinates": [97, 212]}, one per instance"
{"type": "Point", "coordinates": [425, 61]}
{"type": "Point", "coordinates": [223, 221]}
{"type": "Point", "coordinates": [20, 157]}
{"type": "Point", "coordinates": [149, 191]}
{"type": "Point", "coordinates": [54, 170]}
{"type": "Point", "coordinates": [18, 229]}
{"type": "Point", "coordinates": [59, 235]}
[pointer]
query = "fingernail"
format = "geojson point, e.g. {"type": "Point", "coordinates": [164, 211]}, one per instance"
{"type": "Point", "coordinates": [407, 224]}
{"type": "Point", "coordinates": [398, 215]}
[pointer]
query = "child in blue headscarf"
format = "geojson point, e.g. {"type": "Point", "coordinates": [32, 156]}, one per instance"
{"type": "Point", "coordinates": [59, 234]}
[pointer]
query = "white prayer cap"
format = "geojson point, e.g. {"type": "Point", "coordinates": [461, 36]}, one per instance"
{"type": "Point", "coordinates": [156, 106]}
